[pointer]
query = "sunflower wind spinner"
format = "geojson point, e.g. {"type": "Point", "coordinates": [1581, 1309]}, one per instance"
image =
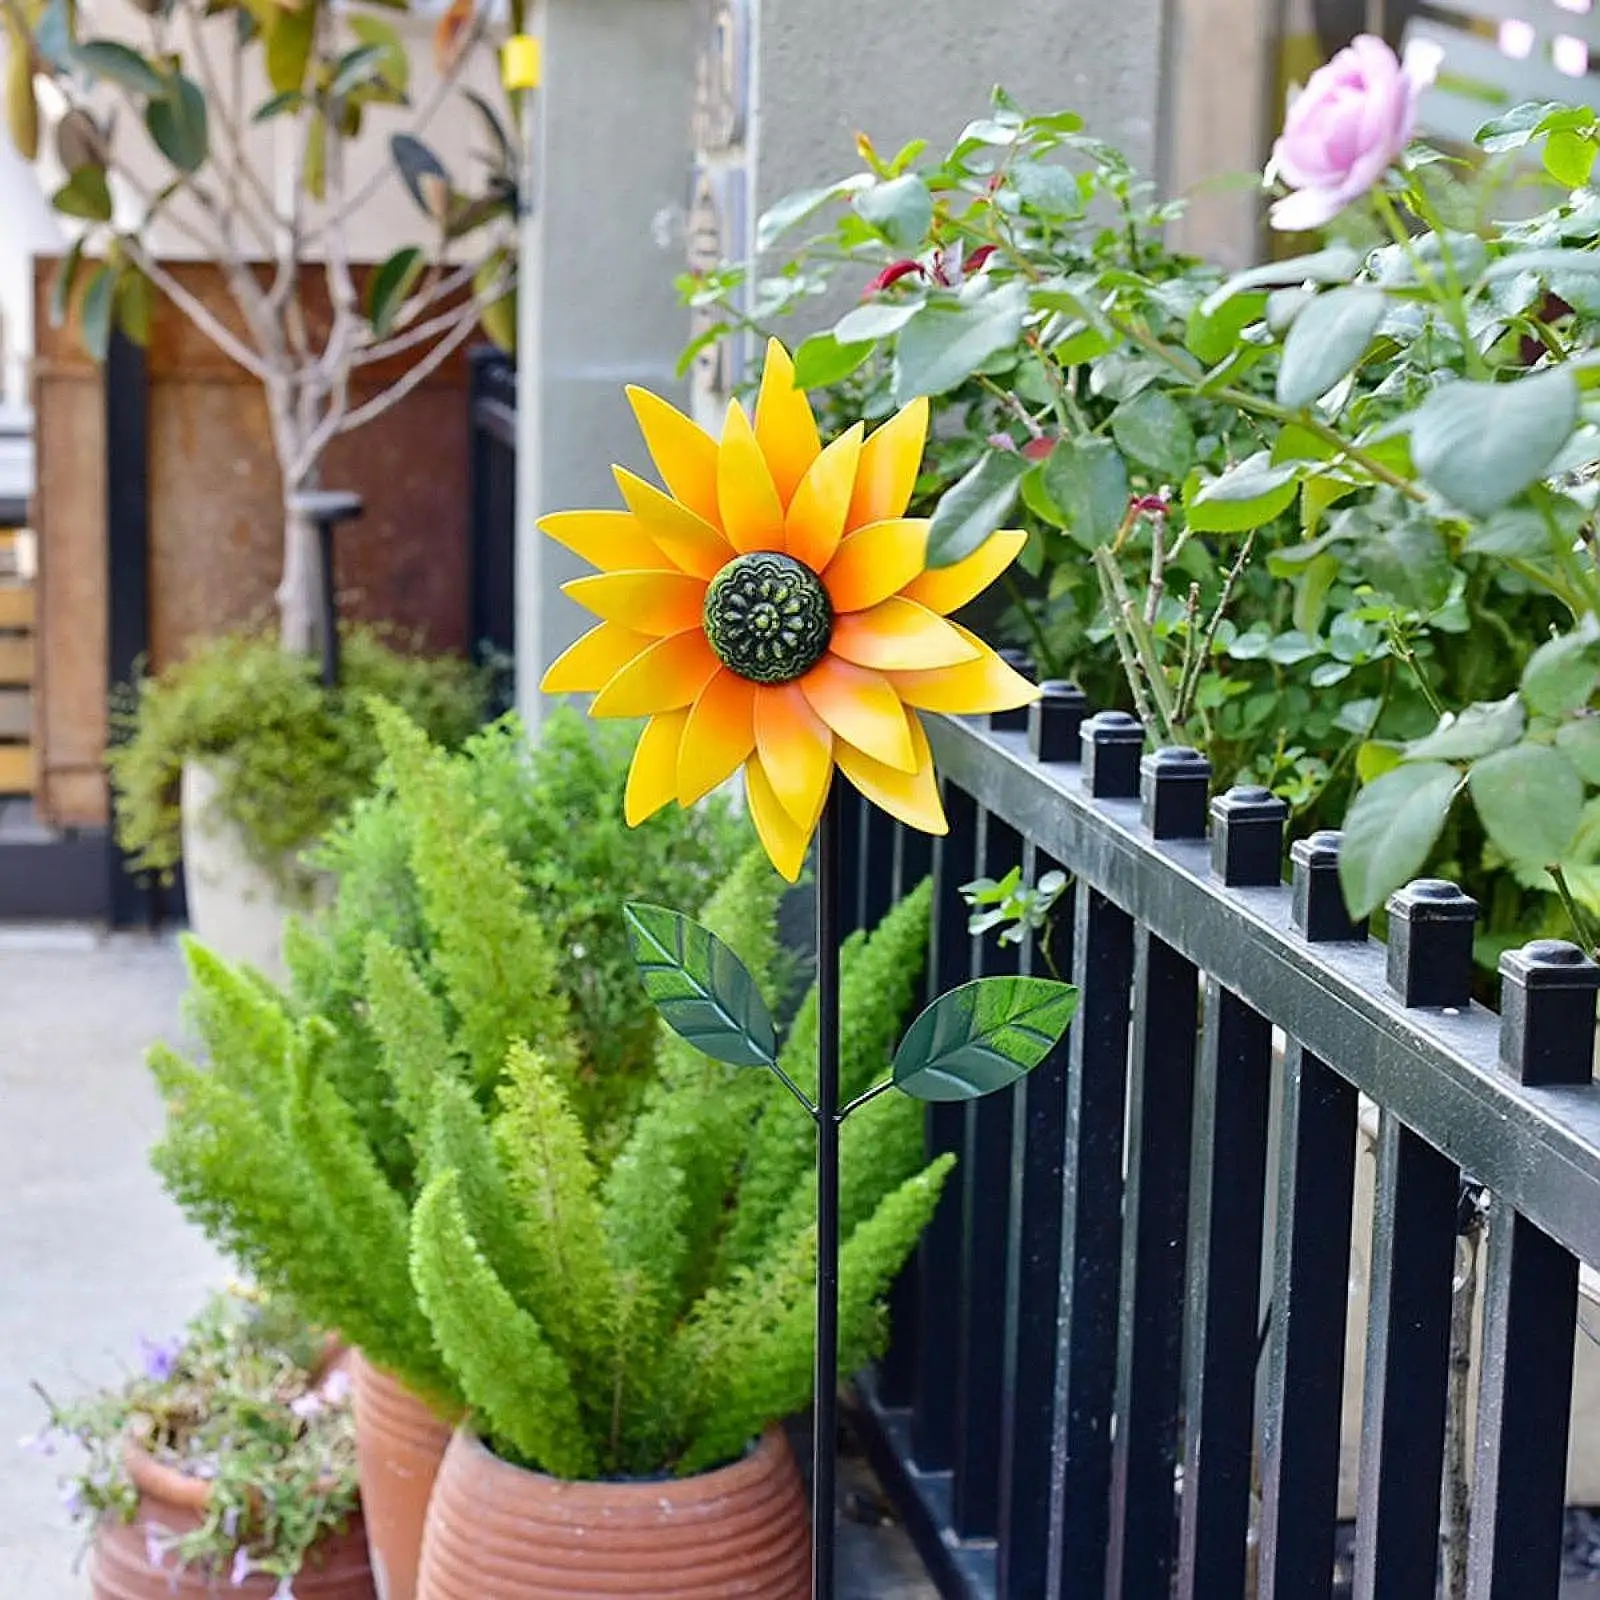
{"type": "Point", "coordinates": [774, 611]}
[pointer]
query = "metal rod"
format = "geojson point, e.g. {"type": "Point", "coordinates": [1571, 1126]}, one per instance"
{"type": "Point", "coordinates": [330, 606]}
{"type": "Point", "coordinates": [825, 1422]}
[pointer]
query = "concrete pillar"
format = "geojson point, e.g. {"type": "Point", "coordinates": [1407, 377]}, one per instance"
{"type": "Point", "coordinates": [598, 261]}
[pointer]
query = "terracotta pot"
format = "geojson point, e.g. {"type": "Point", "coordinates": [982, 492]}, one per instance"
{"type": "Point", "coordinates": [336, 1567]}
{"type": "Point", "coordinates": [400, 1442]}
{"type": "Point", "coordinates": [497, 1530]}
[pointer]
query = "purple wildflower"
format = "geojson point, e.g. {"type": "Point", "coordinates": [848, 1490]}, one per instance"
{"type": "Point", "coordinates": [155, 1549]}
{"type": "Point", "coordinates": [72, 1498]}
{"type": "Point", "coordinates": [284, 1591]}
{"type": "Point", "coordinates": [42, 1443]}
{"type": "Point", "coordinates": [307, 1405]}
{"type": "Point", "coordinates": [159, 1357]}
{"type": "Point", "coordinates": [242, 1567]}
{"type": "Point", "coordinates": [336, 1387]}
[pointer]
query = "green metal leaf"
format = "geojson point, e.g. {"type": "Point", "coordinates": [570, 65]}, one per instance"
{"type": "Point", "coordinates": [975, 506]}
{"type": "Point", "coordinates": [177, 123]}
{"type": "Point", "coordinates": [982, 1037]}
{"type": "Point", "coordinates": [703, 991]}
{"type": "Point", "coordinates": [106, 58]}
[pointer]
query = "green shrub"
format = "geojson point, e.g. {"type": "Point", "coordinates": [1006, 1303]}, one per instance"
{"type": "Point", "coordinates": [593, 1290]}
{"type": "Point", "coordinates": [289, 755]}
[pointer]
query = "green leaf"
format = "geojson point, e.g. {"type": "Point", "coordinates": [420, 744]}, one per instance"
{"type": "Point", "coordinates": [1390, 830]}
{"type": "Point", "coordinates": [1517, 127]}
{"type": "Point", "coordinates": [1579, 742]}
{"type": "Point", "coordinates": [363, 65]}
{"type": "Point", "coordinates": [85, 194]}
{"type": "Point", "coordinates": [1481, 444]}
{"type": "Point", "coordinates": [290, 35]}
{"type": "Point", "coordinates": [94, 313]}
{"type": "Point", "coordinates": [1517, 531]}
{"type": "Point", "coordinates": [941, 347]}
{"type": "Point", "coordinates": [822, 361]}
{"type": "Point", "coordinates": [1561, 674]}
{"type": "Point", "coordinates": [1530, 801]}
{"type": "Point", "coordinates": [703, 991]}
{"type": "Point", "coordinates": [106, 58]}
{"type": "Point", "coordinates": [1337, 264]}
{"type": "Point", "coordinates": [389, 286]}
{"type": "Point", "coordinates": [1480, 730]}
{"type": "Point", "coordinates": [982, 1037]}
{"type": "Point", "coordinates": [1311, 591]}
{"type": "Point", "coordinates": [1401, 551]}
{"type": "Point", "coordinates": [1569, 157]}
{"type": "Point", "coordinates": [878, 319]}
{"type": "Point", "coordinates": [63, 283]}
{"type": "Point", "coordinates": [901, 210]}
{"type": "Point", "coordinates": [1326, 341]}
{"type": "Point", "coordinates": [975, 506]}
{"type": "Point", "coordinates": [289, 100]}
{"type": "Point", "coordinates": [177, 124]}
{"type": "Point", "coordinates": [1088, 483]}
{"type": "Point", "coordinates": [1211, 336]}
{"type": "Point", "coordinates": [134, 305]}
{"type": "Point", "coordinates": [795, 208]}
{"type": "Point", "coordinates": [397, 74]}
{"type": "Point", "coordinates": [1246, 496]}
{"type": "Point", "coordinates": [1154, 430]}
{"type": "Point", "coordinates": [421, 171]}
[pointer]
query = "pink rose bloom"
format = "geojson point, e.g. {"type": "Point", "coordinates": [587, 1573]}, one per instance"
{"type": "Point", "coordinates": [1346, 128]}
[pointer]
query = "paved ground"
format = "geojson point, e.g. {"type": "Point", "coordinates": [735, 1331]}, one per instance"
{"type": "Point", "coordinates": [92, 1254]}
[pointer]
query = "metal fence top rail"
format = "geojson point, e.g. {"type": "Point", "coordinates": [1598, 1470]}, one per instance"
{"type": "Point", "coordinates": [1438, 1068]}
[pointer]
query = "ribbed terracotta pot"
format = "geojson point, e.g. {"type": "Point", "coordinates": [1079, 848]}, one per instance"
{"type": "Point", "coordinates": [336, 1567]}
{"type": "Point", "coordinates": [739, 1533]}
{"type": "Point", "coordinates": [400, 1442]}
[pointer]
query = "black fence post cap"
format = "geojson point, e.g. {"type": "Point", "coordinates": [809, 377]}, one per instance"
{"type": "Point", "coordinates": [1247, 825]}
{"type": "Point", "coordinates": [1055, 721]}
{"type": "Point", "coordinates": [1547, 1013]}
{"type": "Point", "coordinates": [1320, 912]}
{"type": "Point", "coordinates": [1174, 783]}
{"type": "Point", "coordinates": [1431, 924]}
{"type": "Point", "coordinates": [1015, 719]}
{"type": "Point", "coordinates": [1111, 742]}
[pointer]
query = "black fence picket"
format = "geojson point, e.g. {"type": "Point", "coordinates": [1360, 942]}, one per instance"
{"type": "Point", "coordinates": [1117, 1366]}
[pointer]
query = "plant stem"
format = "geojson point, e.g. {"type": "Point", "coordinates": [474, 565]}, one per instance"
{"type": "Point", "coordinates": [825, 1418]}
{"type": "Point", "coordinates": [881, 1087]}
{"type": "Point", "coordinates": [1581, 924]}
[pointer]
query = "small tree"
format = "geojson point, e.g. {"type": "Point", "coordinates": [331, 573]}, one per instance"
{"type": "Point", "coordinates": [206, 76]}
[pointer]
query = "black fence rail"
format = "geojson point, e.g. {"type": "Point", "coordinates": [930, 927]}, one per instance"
{"type": "Point", "coordinates": [492, 513]}
{"type": "Point", "coordinates": [1096, 1385]}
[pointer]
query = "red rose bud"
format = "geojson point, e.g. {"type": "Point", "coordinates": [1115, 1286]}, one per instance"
{"type": "Point", "coordinates": [1038, 449]}
{"type": "Point", "coordinates": [893, 273]}
{"type": "Point", "coordinates": [976, 260]}
{"type": "Point", "coordinates": [1150, 505]}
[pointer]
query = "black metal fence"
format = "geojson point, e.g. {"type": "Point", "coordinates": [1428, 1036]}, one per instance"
{"type": "Point", "coordinates": [1096, 1387]}
{"type": "Point", "coordinates": [492, 503]}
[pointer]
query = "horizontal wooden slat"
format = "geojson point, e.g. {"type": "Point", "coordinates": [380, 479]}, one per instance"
{"type": "Point", "coordinates": [16, 660]}
{"type": "Point", "coordinates": [16, 713]}
{"type": "Point", "coordinates": [16, 605]}
{"type": "Point", "coordinates": [16, 769]}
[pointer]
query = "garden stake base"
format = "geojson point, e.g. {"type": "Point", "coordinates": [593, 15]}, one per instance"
{"type": "Point", "coordinates": [825, 1406]}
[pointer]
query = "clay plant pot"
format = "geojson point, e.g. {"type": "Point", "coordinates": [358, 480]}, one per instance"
{"type": "Point", "coordinates": [336, 1567]}
{"type": "Point", "coordinates": [739, 1533]}
{"type": "Point", "coordinates": [400, 1442]}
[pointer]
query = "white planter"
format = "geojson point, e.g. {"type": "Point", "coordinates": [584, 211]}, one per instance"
{"type": "Point", "coordinates": [235, 907]}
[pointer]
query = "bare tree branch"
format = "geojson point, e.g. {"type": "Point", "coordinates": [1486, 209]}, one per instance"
{"type": "Point", "coordinates": [242, 170]}
{"type": "Point", "coordinates": [398, 344]}
{"type": "Point", "coordinates": [216, 331]}
{"type": "Point", "coordinates": [388, 398]}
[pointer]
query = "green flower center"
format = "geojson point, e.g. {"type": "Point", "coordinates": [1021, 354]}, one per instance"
{"type": "Point", "coordinates": [767, 617]}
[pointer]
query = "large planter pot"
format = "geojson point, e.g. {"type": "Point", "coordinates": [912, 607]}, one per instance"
{"type": "Point", "coordinates": [236, 907]}
{"type": "Point", "coordinates": [336, 1567]}
{"type": "Point", "coordinates": [739, 1533]}
{"type": "Point", "coordinates": [400, 1442]}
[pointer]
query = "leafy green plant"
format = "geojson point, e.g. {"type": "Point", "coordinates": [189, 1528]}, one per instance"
{"type": "Point", "coordinates": [290, 755]}
{"type": "Point", "coordinates": [242, 1400]}
{"type": "Point", "coordinates": [460, 1200]}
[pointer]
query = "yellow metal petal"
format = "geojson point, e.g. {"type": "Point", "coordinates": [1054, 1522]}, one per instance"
{"type": "Point", "coordinates": [781, 836]}
{"type": "Point", "coordinates": [796, 751]}
{"type": "Point", "coordinates": [816, 518]}
{"type": "Point", "coordinates": [752, 513]}
{"type": "Point", "coordinates": [669, 674]}
{"type": "Point", "coordinates": [684, 453]}
{"type": "Point", "coordinates": [860, 706]}
{"type": "Point", "coordinates": [657, 603]}
{"type": "Point", "coordinates": [875, 562]}
{"type": "Point", "coordinates": [687, 541]}
{"type": "Point", "coordinates": [912, 797]}
{"type": "Point", "coordinates": [944, 589]}
{"type": "Point", "coordinates": [610, 540]}
{"type": "Point", "coordinates": [785, 427]}
{"type": "Point", "coordinates": [986, 684]}
{"type": "Point", "coordinates": [890, 460]}
{"type": "Point", "coordinates": [900, 636]}
{"type": "Point", "coordinates": [719, 736]}
{"type": "Point", "coordinates": [653, 775]}
{"type": "Point", "coordinates": [594, 660]}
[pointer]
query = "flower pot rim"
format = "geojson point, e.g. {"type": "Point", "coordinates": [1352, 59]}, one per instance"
{"type": "Point", "coordinates": [450, 1417]}
{"type": "Point", "coordinates": [755, 1462]}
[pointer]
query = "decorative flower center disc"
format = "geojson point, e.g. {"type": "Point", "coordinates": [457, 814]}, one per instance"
{"type": "Point", "coordinates": [767, 617]}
